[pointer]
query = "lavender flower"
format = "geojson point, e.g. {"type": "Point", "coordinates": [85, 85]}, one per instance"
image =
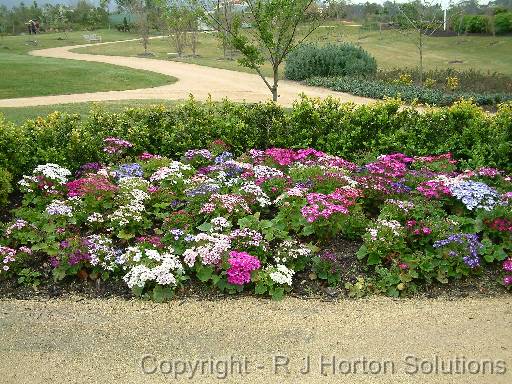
{"type": "Point", "coordinates": [223, 157]}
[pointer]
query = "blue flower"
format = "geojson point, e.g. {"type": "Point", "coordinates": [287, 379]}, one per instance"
{"type": "Point", "coordinates": [129, 170]}
{"type": "Point", "coordinates": [475, 194]}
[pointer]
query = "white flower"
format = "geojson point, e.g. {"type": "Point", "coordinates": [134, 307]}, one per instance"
{"type": "Point", "coordinates": [280, 274]}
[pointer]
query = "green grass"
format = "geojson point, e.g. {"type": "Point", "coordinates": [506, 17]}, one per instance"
{"type": "Point", "coordinates": [24, 76]}
{"type": "Point", "coordinates": [19, 115]}
{"type": "Point", "coordinates": [391, 49]}
{"type": "Point", "coordinates": [22, 44]}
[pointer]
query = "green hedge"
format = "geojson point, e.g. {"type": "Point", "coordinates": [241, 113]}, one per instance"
{"type": "Point", "coordinates": [379, 89]}
{"type": "Point", "coordinates": [503, 22]}
{"type": "Point", "coordinates": [310, 60]}
{"type": "Point", "coordinates": [470, 134]}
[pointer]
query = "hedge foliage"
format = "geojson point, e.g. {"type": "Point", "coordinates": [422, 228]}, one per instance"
{"type": "Point", "coordinates": [354, 132]}
{"type": "Point", "coordinates": [310, 60]}
{"type": "Point", "coordinates": [379, 89]}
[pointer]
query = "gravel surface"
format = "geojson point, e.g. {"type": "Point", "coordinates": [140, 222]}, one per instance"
{"type": "Point", "coordinates": [200, 81]}
{"type": "Point", "coordinates": [76, 340]}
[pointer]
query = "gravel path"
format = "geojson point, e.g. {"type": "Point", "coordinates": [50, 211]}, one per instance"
{"type": "Point", "coordinates": [75, 340]}
{"type": "Point", "coordinates": [197, 80]}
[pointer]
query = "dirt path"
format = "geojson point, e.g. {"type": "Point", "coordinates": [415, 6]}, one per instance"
{"type": "Point", "coordinates": [106, 341]}
{"type": "Point", "coordinates": [193, 79]}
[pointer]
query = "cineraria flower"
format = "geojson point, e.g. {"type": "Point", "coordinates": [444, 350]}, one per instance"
{"type": "Point", "coordinates": [403, 205]}
{"type": "Point", "coordinates": [53, 171]}
{"type": "Point", "coordinates": [433, 189]}
{"type": "Point", "coordinates": [93, 184]}
{"type": "Point", "coordinates": [280, 274]}
{"type": "Point", "coordinates": [252, 189]}
{"type": "Point", "coordinates": [129, 170]}
{"type": "Point", "coordinates": [8, 255]}
{"type": "Point", "coordinates": [17, 225]}
{"type": "Point", "coordinates": [469, 241]}
{"type": "Point", "coordinates": [191, 153]}
{"type": "Point", "coordinates": [322, 205]}
{"type": "Point", "coordinates": [209, 249]}
{"type": "Point", "coordinates": [114, 145]}
{"type": "Point", "coordinates": [390, 226]}
{"type": "Point", "coordinates": [474, 194]}
{"type": "Point", "coordinates": [219, 224]}
{"type": "Point", "coordinates": [203, 189]}
{"type": "Point", "coordinates": [101, 251]}
{"type": "Point", "coordinates": [149, 156]}
{"type": "Point", "coordinates": [507, 280]}
{"type": "Point", "coordinates": [95, 217]}
{"type": "Point", "coordinates": [59, 208]}
{"type": "Point", "coordinates": [230, 202]}
{"type": "Point", "coordinates": [151, 265]}
{"type": "Point", "coordinates": [223, 157]}
{"type": "Point", "coordinates": [171, 173]}
{"type": "Point", "coordinates": [489, 172]}
{"type": "Point", "coordinates": [290, 250]}
{"type": "Point", "coordinates": [507, 265]}
{"type": "Point", "coordinates": [241, 266]}
{"type": "Point", "coordinates": [246, 237]}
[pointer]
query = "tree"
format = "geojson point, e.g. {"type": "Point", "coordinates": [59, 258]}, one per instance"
{"type": "Point", "coordinates": [275, 31]}
{"type": "Point", "coordinates": [416, 20]}
{"type": "Point", "coordinates": [142, 10]}
{"type": "Point", "coordinates": [182, 20]}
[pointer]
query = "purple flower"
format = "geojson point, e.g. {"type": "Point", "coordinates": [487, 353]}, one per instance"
{"type": "Point", "coordinates": [470, 241]}
{"type": "Point", "coordinates": [507, 265]}
{"type": "Point", "coordinates": [507, 280]}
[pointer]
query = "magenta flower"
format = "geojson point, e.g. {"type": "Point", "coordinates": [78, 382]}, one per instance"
{"type": "Point", "coordinates": [507, 280]}
{"type": "Point", "coordinates": [507, 265]}
{"type": "Point", "coordinates": [242, 264]}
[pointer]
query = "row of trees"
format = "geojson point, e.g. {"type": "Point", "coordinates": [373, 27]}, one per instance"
{"type": "Point", "coordinates": [82, 15]}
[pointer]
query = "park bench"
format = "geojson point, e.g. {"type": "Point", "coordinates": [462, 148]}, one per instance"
{"type": "Point", "coordinates": [93, 38]}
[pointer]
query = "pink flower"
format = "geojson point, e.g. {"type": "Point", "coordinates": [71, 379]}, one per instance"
{"type": "Point", "coordinates": [507, 265]}
{"type": "Point", "coordinates": [507, 280]}
{"type": "Point", "coordinates": [242, 264]}
{"type": "Point", "coordinates": [426, 231]}
{"type": "Point", "coordinates": [403, 266]}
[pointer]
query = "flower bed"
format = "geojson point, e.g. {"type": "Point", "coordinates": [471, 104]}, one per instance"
{"type": "Point", "coordinates": [256, 221]}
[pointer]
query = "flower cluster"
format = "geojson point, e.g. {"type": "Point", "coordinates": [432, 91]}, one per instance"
{"type": "Point", "coordinates": [157, 222]}
{"type": "Point", "coordinates": [114, 145]}
{"type": "Point", "coordinates": [322, 205]}
{"type": "Point", "coordinates": [475, 194]}
{"type": "Point", "coordinates": [470, 246]}
{"type": "Point", "coordinates": [241, 266]}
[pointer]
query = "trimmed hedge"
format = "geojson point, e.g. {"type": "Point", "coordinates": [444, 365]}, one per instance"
{"type": "Point", "coordinates": [310, 60]}
{"type": "Point", "coordinates": [380, 89]}
{"type": "Point", "coordinates": [354, 132]}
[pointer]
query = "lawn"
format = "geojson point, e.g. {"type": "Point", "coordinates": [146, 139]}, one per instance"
{"type": "Point", "coordinates": [391, 49]}
{"type": "Point", "coordinates": [19, 115]}
{"type": "Point", "coordinates": [25, 76]}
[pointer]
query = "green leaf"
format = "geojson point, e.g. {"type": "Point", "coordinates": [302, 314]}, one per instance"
{"type": "Point", "coordinates": [260, 289]}
{"type": "Point", "coordinates": [362, 252]}
{"type": "Point", "coordinates": [161, 293]}
{"type": "Point", "coordinates": [125, 235]}
{"type": "Point", "coordinates": [204, 273]}
{"type": "Point", "coordinates": [277, 293]}
{"type": "Point", "coordinates": [205, 227]}
{"type": "Point", "coordinates": [373, 259]}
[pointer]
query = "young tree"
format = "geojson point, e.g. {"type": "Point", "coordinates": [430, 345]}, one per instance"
{"type": "Point", "coordinates": [142, 10]}
{"type": "Point", "coordinates": [416, 20]}
{"type": "Point", "coordinates": [182, 20]}
{"type": "Point", "coordinates": [275, 30]}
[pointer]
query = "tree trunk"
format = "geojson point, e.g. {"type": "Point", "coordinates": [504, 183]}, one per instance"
{"type": "Point", "coordinates": [274, 87]}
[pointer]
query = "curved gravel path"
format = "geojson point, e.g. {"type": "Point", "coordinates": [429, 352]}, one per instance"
{"type": "Point", "coordinates": [196, 80]}
{"type": "Point", "coordinates": [72, 340]}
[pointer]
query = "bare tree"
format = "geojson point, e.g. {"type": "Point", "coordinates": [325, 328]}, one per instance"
{"type": "Point", "coordinates": [141, 10]}
{"type": "Point", "coordinates": [416, 20]}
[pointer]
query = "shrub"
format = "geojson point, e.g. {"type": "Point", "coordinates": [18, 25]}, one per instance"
{"type": "Point", "coordinates": [5, 185]}
{"type": "Point", "coordinates": [379, 89]}
{"type": "Point", "coordinates": [472, 24]}
{"type": "Point", "coordinates": [340, 129]}
{"type": "Point", "coordinates": [310, 60]}
{"type": "Point", "coordinates": [503, 22]}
